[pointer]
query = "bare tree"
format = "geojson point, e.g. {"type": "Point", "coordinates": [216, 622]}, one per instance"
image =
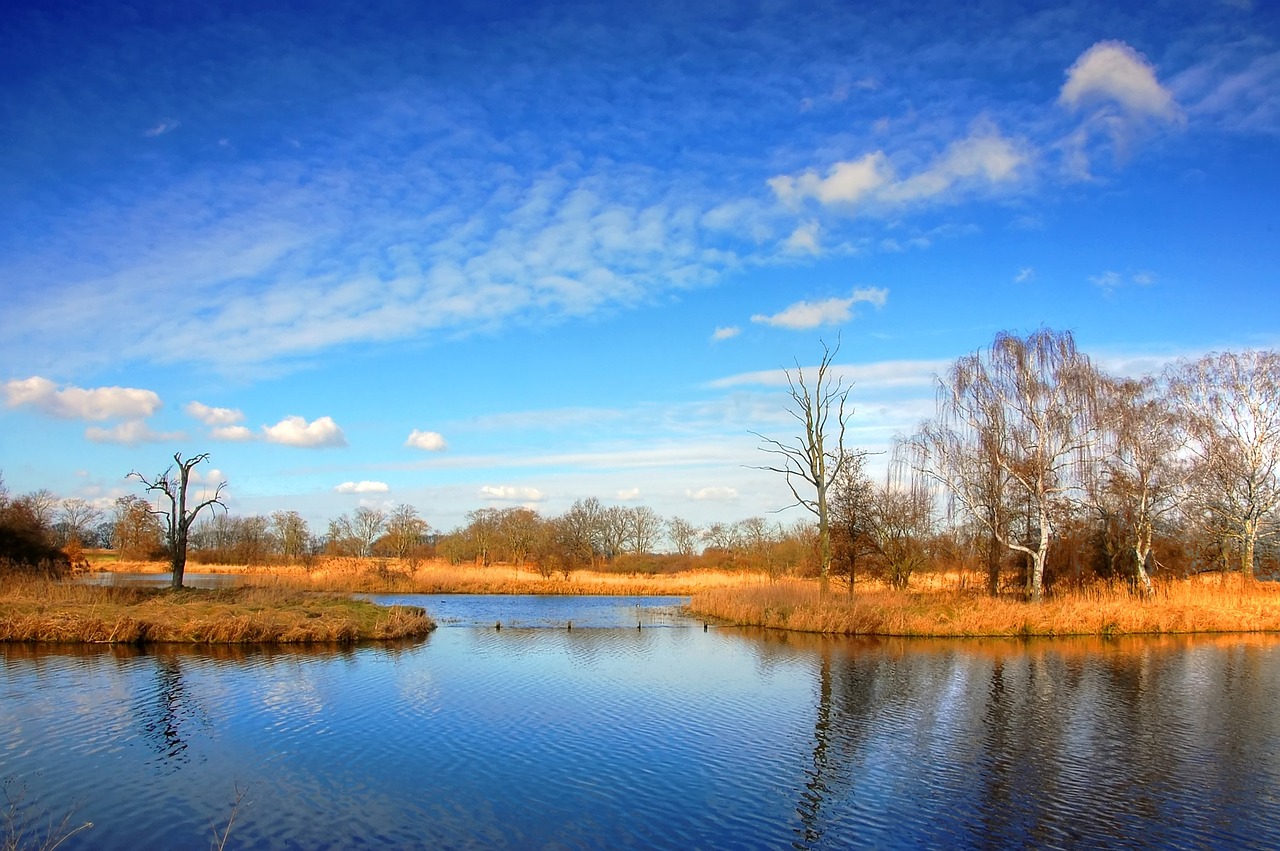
{"type": "Point", "coordinates": [1231, 405]}
{"type": "Point", "coordinates": [852, 516]}
{"type": "Point", "coordinates": [812, 459]}
{"type": "Point", "coordinates": [178, 518]}
{"type": "Point", "coordinates": [291, 533]}
{"type": "Point", "coordinates": [1140, 475]}
{"type": "Point", "coordinates": [367, 525]}
{"type": "Point", "coordinates": [405, 530]}
{"type": "Point", "coordinates": [1015, 423]}
{"type": "Point", "coordinates": [42, 502]}
{"type": "Point", "coordinates": [78, 515]}
{"type": "Point", "coordinates": [518, 531]}
{"type": "Point", "coordinates": [683, 536]}
{"type": "Point", "coordinates": [644, 528]}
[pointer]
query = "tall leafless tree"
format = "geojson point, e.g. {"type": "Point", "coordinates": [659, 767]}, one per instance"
{"type": "Point", "coordinates": [1231, 406]}
{"type": "Point", "coordinates": [1139, 475]}
{"type": "Point", "coordinates": [817, 455]}
{"type": "Point", "coordinates": [1015, 424]}
{"type": "Point", "coordinates": [178, 518]}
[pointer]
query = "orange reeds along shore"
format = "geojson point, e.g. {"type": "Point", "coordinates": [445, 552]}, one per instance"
{"type": "Point", "coordinates": [937, 604]}
{"type": "Point", "coordinates": [43, 610]}
{"type": "Point", "coordinates": [394, 576]}
{"type": "Point", "coordinates": [1224, 604]}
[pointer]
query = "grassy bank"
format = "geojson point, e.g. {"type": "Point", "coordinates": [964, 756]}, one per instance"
{"type": "Point", "coordinates": [382, 576]}
{"type": "Point", "coordinates": [1178, 606]}
{"type": "Point", "coordinates": [37, 610]}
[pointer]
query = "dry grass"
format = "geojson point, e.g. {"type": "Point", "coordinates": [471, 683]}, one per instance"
{"type": "Point", "coordinates": [438, 577]}
{"type": "Point", "coordinates": [38, 610]}
{"type": "Point", "coordinates": [1179, 606]}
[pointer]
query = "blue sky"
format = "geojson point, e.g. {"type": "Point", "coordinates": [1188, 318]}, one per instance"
{"type": "Point", "coordinates": [528, 253]}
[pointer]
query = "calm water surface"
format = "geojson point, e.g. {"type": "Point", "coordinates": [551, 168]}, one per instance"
{"type": "Point", "coordinates": [612, 736]}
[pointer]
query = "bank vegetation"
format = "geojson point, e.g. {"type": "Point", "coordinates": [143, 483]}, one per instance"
{"type": "Point", "coordinates": [50, 610]}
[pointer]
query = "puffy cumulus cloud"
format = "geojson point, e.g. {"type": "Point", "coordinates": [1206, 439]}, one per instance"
{"type": "Point", "coordinates": [362, 487]}
{"type": "Point", "coordinates": [832, 311]}
{"type": "Point", "coordinates": [714, 494]}
{"type": "Point", "coordinates": [725, 333]}
{"type": "Point", "coordinates": [234, 433]}
{"type": "Point", "coordinates": [629, 495]}
{"type": "Point", "coordinates": [296, 431]}
{"type": "Point", "coordinates": [431, 441]}
{"type": "Point", "coordinates": [213, 416]}
{"type": "Point", "coordinates": [1113, 72]}
{"type": "Point", "coordinates": [99, 403]}
{"type": "Point", "coordinates": [984, 159]}
{"type": "Point", "coordinates": [131, 433]}
{"type": "Point", "coordinates": [507, 493]}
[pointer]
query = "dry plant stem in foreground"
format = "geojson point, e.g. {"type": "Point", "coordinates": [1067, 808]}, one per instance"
{"type": "Point", "coordinates": [59, 612]}
{"type": "Point", "coordinates": [1230, 605]}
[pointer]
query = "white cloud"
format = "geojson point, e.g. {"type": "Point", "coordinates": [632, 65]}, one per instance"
{"type": "Point", "coordinates": [895, 373]}
{"type": "Point", "coordinates": [131, 432]}
{"type": "Point", "coordinates": [714, 494]}
{"type": "Point", "coordinates": [984, 158]}
{"type": "Point", "coordinates": [832, 311]}
{"type": "Point", "coordinates": [161, 127]}
{"type": "Point", "coordinates": [1025, 274]}
{"type": "Point", "coordinates": [99, 403]}
{"type": "Point", "coordinates": [235, 433]}
{"type": "Point", "coordinates": [845, 183]}
{"type": "Point", "coordinates": [431, 441]}
{"type": "Point", "coordinates": [214, 416]}
{"type": "Point", "coordinates": [1112, 71]}
{"type": "Point", "coordinates": [507, 493]}
{"type": "Point", "coordinates": [804, 239]}
{"type": "Point", "coordinates": [981, 160]}
{"type": "Point", "coordinates": [296, 431]}
{"type": "Point", "coordinates": [629, 495]}
{"type": "Point", "coordinates": [726, 333]}
{"type": "Point", "coordinates": [362, 487]}
{"type": "Point", "coordinates": [1110, 281]}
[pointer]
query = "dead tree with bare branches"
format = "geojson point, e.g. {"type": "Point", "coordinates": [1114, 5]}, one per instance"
{"type": "Point", "coordinates": [812, 458]}
{"type": "Point", "coordinates": [178, 518]}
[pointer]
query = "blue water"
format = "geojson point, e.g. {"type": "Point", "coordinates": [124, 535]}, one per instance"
{"type": "Point", "coordinates": [671, 735]}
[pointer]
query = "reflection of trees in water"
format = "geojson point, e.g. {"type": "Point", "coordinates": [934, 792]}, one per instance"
{"type": "Point", "coordinates": [1041, 744]}
{"type": "Point", "coordinates": [168, 711]}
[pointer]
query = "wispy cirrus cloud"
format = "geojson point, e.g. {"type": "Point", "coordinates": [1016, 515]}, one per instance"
{"type": "Point", "coordinates": [982, 161]}
{"type": "Point", "coordinates": [131, 433]}
{"type": "Point", "coordinates": [803, 315]}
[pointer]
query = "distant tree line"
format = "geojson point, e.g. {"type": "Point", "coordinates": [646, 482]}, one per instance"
{"type": "Point", "coordinates": [1038, 468]}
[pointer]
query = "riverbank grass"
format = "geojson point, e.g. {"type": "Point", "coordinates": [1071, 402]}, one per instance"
{"type": "Point", "coordinates": [37, 610]}
{"type": "Point", "coordinates": [1178, 606]}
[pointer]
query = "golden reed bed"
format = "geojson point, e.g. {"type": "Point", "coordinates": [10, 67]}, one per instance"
{"type": "Point", "coordinates": [937, 604]}
{"type": "Point", "coordinates": [1178, 606]}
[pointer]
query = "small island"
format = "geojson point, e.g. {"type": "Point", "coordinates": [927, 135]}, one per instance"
{"type": "Point", "coordinates": [53, 611]}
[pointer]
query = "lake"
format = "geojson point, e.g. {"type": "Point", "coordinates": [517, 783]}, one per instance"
{"type": "Point", "coordinates": [641, 728]}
